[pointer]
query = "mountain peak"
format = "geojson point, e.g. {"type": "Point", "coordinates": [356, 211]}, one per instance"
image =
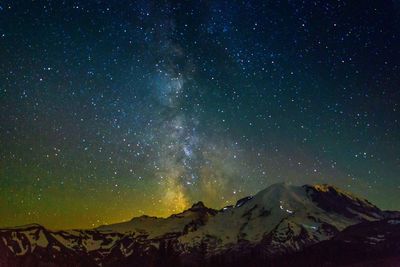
{"type": "Point", "coordinates": [198, 205]}
{"type": "Point", "coordinates": [282, 186]}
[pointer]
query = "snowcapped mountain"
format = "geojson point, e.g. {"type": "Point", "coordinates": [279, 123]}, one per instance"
{"type": "Point", "coordinates": [280, 220]}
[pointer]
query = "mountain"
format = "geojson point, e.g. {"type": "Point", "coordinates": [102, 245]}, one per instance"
{"type": "Point", "coordinates": [375, 243]}
{"type": "Point", "coordinates": [282, 225]}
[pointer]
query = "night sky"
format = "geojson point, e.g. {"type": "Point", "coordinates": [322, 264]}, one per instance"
{"type": "Point", "coordinates": [114, 109]}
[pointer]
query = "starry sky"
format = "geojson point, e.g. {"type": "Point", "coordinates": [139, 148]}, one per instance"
{"type": "Point", "coordinates": [114, 109]}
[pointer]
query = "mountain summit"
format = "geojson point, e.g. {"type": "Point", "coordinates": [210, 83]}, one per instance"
{"type": "Point", "coordinates": [281, 220]}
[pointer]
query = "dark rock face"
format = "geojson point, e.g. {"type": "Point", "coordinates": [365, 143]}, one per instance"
{"type": "Point", "coordinates": [242, 201]}
{"type": "Point", "coordinates": [331, 199]}
{"type": "Point", "coordinates": [299, 236]}
{"type": "Point", "coordinates": [364, 244]}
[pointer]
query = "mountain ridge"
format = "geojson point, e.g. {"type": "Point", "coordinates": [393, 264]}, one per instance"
{"type": "Point", "coordinates": [279, 220]}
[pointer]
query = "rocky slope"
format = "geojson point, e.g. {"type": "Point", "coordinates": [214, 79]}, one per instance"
{"type": "Point", "coordinates": [280, 220]}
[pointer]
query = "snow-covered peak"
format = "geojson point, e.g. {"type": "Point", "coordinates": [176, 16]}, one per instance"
{"type": "Point", "coordinates": [279, 207]}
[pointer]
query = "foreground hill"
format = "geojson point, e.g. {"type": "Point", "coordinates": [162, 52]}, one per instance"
{"type": "Point", "coordinates": [281, 226]}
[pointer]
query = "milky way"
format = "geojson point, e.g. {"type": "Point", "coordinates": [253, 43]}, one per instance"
{"type": "Point", "coordinates": [114, 109]}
